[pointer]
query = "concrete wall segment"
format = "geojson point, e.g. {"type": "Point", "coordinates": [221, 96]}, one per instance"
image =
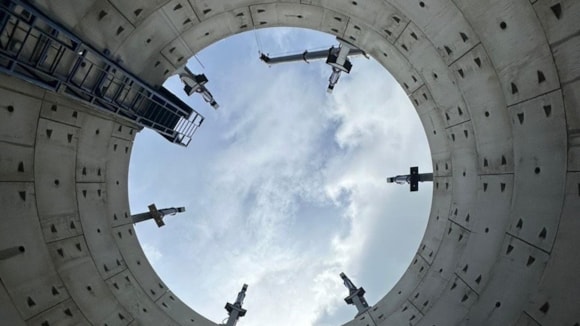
{"type": "Point", "coordinates": [485, 79]}
{"type": "Point", "coordinates": [91, 293]}
{"type": "Point", "coordinates": [136, 301]}
{"type": "Point", "coordinates": [117, 171]}
{"type": "Point", "coordinates": [540, 176]}
{"type": "Point", "coordinates": [18, 117]}
{"type": "Point", "coordinates": [179, 311]}
{"type": "Point", "coordinates": [559, 19]}
{"type": "Point", "coordinates": [54, 169]}
{"type": "Point", "coordinates": [65, 313]}
{"type": "Point", "coordinates": [92, 199]}
{"type": "Point", "coordinates": [8, 313]}
{"type": "Point", "coordinates": [565, 55]}
{"type": "Point", "coordinates": [481, 89]}
{"type": "Point", "coordinates": [140, 267]}
{"type": "Point", "coordinates": [147, 40]}
{"type": "Point", "coordinates": [572, 107]}
{"type": "Point", "coordinates": [136, 11]}
{"type": "Point", "coordinates": [437, 224]}
{"type": "Point", "coordinates": [180, 14]}
{"type": "Point", "coordinates": [513, 38]}
{"type": "Point", "coordinates": [93, 145]}
{"type": "Point", "coordinates": [444, 25]}
{"type": "Point", "coordinates": [30, 277]}
{"type": "Point", "coordinates": [16, 162]}
{"type": "Point", "coordinates": [556, 300]}
{"type": "Point", "coordinates": [517, 267]}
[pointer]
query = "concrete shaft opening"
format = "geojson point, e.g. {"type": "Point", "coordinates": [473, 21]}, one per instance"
{"type": "Point", "coordinates": [494, 82]}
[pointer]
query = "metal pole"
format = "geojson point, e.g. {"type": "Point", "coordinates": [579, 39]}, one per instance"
{"type": "Point", "coordinates": [235, 310]}
{"type": "Point", "coordinates": [304, 56]}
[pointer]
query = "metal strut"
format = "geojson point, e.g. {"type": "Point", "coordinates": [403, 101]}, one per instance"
{"type": "Point", "coordinates": [235, 310]}
{"type": "Point", "coordinates": [156, 214]}
{"type": "Point", "coordinates": [355, 295]}
{"type": "Point", "coordinates": [337, 58]}
{"type": "Point", "coordinates": [412, 179]}
{"type": "Point", "coordinates": [35, 48]}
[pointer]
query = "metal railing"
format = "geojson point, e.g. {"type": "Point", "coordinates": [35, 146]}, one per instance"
{"type": "Point", "coordinates": [37, 49]}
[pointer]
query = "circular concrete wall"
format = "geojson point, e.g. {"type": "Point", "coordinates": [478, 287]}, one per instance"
{"type": "Point", "coordinates": [494, 82]}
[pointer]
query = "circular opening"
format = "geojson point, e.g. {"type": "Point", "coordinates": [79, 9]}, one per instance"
{"type": "Point", "coordinates": [21, 249]}
{"type": "Point", "coordinates": [10, 108]}
{"type": "Point", "coordinates": [56, 182]}
{"type": "Point", "coordinates": [503, 25]}
{"type": "Point", "coordinates": [284, 186]}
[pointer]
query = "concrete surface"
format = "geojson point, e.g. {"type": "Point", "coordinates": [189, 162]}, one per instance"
{"type": "Point", "coordinates": [495, 83]}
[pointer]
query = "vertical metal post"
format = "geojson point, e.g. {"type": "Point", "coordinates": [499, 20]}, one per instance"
{"type": "Point", "coordinates": [235, 310]}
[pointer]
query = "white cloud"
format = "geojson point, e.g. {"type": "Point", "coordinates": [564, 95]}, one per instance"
{"type": "Point", "coordinates": [287, 194]}
{"type": "Point", "coordinates": [152, 252]}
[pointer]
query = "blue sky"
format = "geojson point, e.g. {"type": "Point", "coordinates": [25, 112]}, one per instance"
{"type": "Point", "coordinates": [284, 185]}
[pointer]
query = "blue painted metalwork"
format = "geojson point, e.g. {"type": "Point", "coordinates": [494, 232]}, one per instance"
{"type": "Point", "coordinates": [35, 48]}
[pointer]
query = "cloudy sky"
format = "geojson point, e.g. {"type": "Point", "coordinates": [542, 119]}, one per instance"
{"type": "Point", "coordinates": [284, 185]}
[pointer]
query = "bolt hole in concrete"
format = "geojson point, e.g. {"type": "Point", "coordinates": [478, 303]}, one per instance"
{"type": "Point", "coordinates": [284, 185]}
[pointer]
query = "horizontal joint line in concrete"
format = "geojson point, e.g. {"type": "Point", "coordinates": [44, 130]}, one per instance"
{"type": "Point", "coordinates": [65, 238]}
{"type": "Point", "coordinates": [18, 144]}
{"type": "Point", "coordinates": [442, 175]}
{"type": "Point", "coordinates": [67, 297]}
{"type": "Point", "coordinates": [469, 286]}
{"type": "Point", "coordinates": [121, 138]}
{"type": "Point", "coordinates": [59, 122]}
{"type": "Point", "coordinates": [402, 31]}
{"type": "Point", "coordinates": [457, 124]}
{"type": "Point", "coordinates": [461, 226]}
{"type": "Point", "coordinates": [531, 317]}
{"type": "Point", "coordinates": [534, 97]}
{"type": "Point", "coordinates": [165, 291]}
{"type": "Point", "coordinates": [489, 174]}
{"type": "Point", "coordinates": [119, 272]}
{"type": "Point", "coordinates": [425, 259]}
{"type": "Point", "coordinates": [528, 243]}
{"type": "Point", "coordinates": [416, 308]}
{"type": "Point", "coordinates": [129, 221]}
{"type": "Point", "coordinates": [571, 81]}
{"type": "Point", "coordinates": [464, 54]}
{"type": "Point", "coordinates": [564, 40]}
